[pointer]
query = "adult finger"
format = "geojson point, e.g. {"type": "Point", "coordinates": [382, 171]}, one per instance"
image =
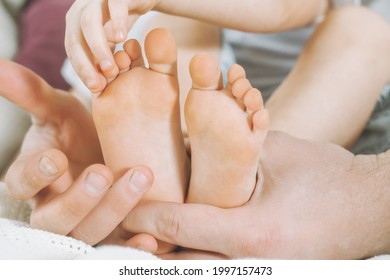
{"type": "Point", "coordinates": [144, 242]}
{"type": "Point", "coordinates": [24, 88]}
{"type": "Point", "coordinates": [30, 174]}
{"type": "Point", "coordinates": [201, 227]}
{"type": "Point", "coordinates": [189, 254]}
{"type": "Point", "coordinates": [64, 212]}
{"type": "Point", "coordinates": [116, 204]}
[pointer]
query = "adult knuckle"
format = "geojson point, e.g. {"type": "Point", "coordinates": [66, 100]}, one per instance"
{"type": "Point", "coordinates": [23, 187]}
{"type": "Point", "coordinates": [86, 236]}
{"type": "Point", "coordinates": [14, 191]}
{"type": "Point", "coordinates": [119, 206]}
{"type": "Point", "coordinates": [170, 224]}
{"type": "Point", "coordinates": [69, 210]}
{"type": "Point", "coordinates": [256, 244]}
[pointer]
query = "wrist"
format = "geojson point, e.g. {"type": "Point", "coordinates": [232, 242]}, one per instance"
{"type": "Point", "coordinates": [383, 185]}
{"type": "Point", "coordinates": [374, 173]}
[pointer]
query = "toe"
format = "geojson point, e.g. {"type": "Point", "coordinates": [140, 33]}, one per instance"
{"type": "Point", "coordinates": [260, 120]}
{"type": "Point", "coordinates": [134, 52]}
{"type": "Point", "coordinates": [205, 72]}
{"type": "Point", "coordinates": [123, 61]}
{"type": "Point", "coordinates": [235, 72]}
{"type": "Point", "coordinates": [253, 100]}
{"type": "Point", "coordinates": [240, 87]}
{"type": "Point", "coordinates": [161, 51]}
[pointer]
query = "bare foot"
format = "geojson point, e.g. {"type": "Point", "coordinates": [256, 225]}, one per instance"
{"type": "Point", "coordinates": [226, 127]}
{"type": "Point", "coordinates": [138, 117]}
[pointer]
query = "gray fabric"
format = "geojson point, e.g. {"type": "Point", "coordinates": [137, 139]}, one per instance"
{"type": "Point", "coordinates": [268, 58]}
{"type": "Point", "coordinates": [375, 138]}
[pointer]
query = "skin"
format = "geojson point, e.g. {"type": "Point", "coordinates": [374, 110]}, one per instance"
{"type": "Point", "coordinates": [138, 117]}
{"type": "Point", "coordinates": [331, 91]}
{"type": "Point", "coordinates": [289, 200]}
{"type": "Point", "coordinates": [94, 25]}
{"type": "Point", "coordinates": [367, 164]}
{"type": "Point", "coordinates": [345, 32]}
{"type": "Point", "coordinates": [225, 148]}
{"type": "Point", "coordinates": [60, 173]}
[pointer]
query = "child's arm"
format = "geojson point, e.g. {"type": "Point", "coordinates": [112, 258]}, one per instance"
{"type": "Point", "coordinates": [261, 16]}
{"type": "Point", "coordinates": [92, 25]}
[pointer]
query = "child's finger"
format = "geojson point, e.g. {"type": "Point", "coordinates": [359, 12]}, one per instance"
{"type": "Point", "coordinates": [92, 27]}
{"type": "Point", "coordinates": [118, 16]}
{"type": "Point", "coordinates": [79, 53]}
{"type": "Point", "coordinates": [81, 60]}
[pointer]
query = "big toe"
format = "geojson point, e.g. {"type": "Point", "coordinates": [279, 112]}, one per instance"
{"type": "Point", "coordinates": [205, 72]}
{"type": "Point", "coordinates": [161, 51]}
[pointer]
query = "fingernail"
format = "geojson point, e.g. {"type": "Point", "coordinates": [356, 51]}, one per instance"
{"type": "Point", "coordinates": [95, 184]}
{"type": "Point", "coordinates": [120, 36]}
{"type": "Point", "coordinates": [90, 83]}
{"type": "Point", "coordinates": [139, 182]}
{"type": "Point", "coordinates": [47, 167]}
{"type": "Point", "coordinates": [105, 64]}
{"type": "Point", "coordinates": [110, 80]}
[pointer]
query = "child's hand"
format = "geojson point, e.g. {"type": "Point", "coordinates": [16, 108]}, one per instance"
{"type": "Point", "coordinates": [92, 29]}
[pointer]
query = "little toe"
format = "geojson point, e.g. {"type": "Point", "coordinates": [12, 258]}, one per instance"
{"type": "Point", "coordinates": [161, 51]}
{"type": "Point", "coordinates": [261, 120]}
{"type": "Point", "coordinates": [134, 52]}
{"type": "Point", "coordinates": [205, 72]}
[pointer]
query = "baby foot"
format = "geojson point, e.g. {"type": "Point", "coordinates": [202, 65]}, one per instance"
{"type": "Point", "coordinates": [227, 128]}
{"type": "Point", "coordinates": [138, 117]}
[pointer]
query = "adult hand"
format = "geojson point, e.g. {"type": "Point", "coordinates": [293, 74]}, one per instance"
{"type": "Point", "coordinates": [59, 168]}
{"type": "Point", "coordinates": [92, 29]}
{"type": "Point", "coordinates": [312, 200]}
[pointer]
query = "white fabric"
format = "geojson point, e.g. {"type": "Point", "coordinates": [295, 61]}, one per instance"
{"type": "Point", "coordinates": [19, 241]}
